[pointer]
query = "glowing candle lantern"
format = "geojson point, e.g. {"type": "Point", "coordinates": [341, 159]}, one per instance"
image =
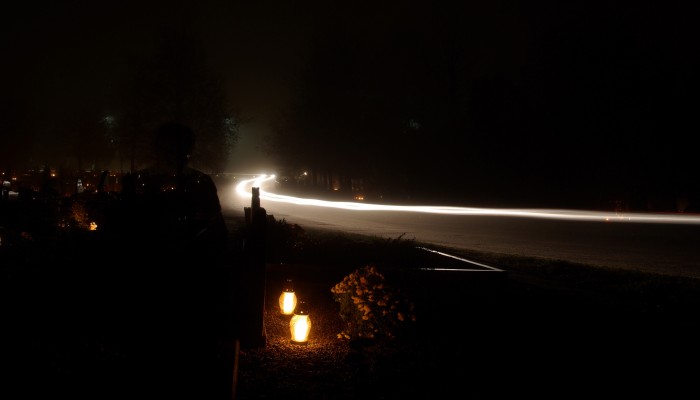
{"type": "Point", "coordinates": [288, 299]}
{"type": "Point", "coordinates": [300, 324]}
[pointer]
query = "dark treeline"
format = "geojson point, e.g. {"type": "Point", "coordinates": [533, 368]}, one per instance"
{"type": "Point", "coordinates": [106, 118]}
{"type": "Point", "coordinates": [501, 102]}
{"type": "Point", "coordinates": [547, 104]}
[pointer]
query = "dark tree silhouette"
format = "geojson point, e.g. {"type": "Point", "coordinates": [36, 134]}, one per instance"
{"type": "Point", "coordinates": [174, 83]}
{"type": "Point", "coordinates": [388, 107]}
{"type": "Point", "coordinates": [542, 104]}
{"type": "Point", "coordinates": [17, 133]}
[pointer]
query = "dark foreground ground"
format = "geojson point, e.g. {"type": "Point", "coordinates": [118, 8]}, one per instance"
{"type": "Point", "coordinates": [539, 327]}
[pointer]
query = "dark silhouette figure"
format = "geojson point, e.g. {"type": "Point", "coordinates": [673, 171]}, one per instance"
{"type": "Point", "coordinates": [174, 240]}
{"type": "Point", "coordinates": [180, 202]}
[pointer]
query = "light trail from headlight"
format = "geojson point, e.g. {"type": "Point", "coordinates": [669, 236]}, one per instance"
{"type": "Point", "coordinates": [243, 188]}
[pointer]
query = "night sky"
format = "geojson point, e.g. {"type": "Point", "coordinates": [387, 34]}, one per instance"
{"type": "Point", "coordinates": [508, 97]}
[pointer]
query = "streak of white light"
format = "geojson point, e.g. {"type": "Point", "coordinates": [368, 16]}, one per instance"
{"type": "Point", "coordinates": [456, 269]}
{"type": "Point", "coordinates": [488, 267]}
{"type": "Point", "coordinates": [242, 188]}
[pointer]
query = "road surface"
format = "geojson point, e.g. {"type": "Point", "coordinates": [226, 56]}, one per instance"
{"type": "Point", "coordinates": [660, 243]}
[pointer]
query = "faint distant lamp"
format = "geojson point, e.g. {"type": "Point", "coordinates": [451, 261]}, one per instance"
{"type": "Point", "coordinates": [300, 324]}
{"type": "Point", "coordinates": [288, 299]}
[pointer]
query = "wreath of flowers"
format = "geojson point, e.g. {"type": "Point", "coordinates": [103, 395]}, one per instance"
{"type": "Point", "coordinates": [369, 307]}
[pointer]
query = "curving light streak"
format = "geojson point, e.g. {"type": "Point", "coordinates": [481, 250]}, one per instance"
{"type": "Point", "coordinates": [243, 189]}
